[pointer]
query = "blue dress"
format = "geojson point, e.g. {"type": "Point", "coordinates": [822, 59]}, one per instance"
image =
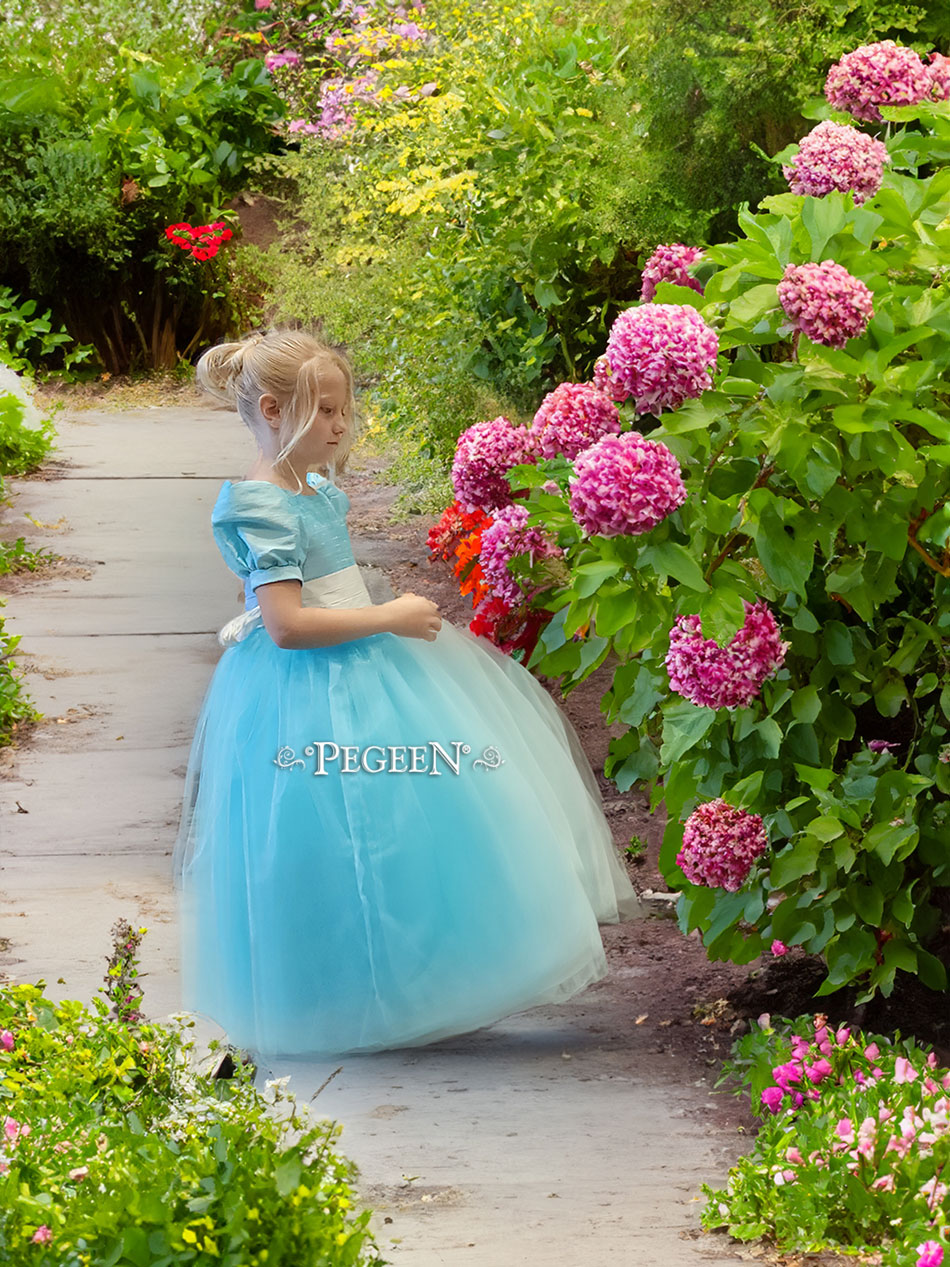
{"type": "Point", "coordinates": [383, 842]}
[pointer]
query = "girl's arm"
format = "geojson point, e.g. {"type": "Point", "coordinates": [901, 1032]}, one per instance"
{"type": "Point", "coordinates": [295, 627]}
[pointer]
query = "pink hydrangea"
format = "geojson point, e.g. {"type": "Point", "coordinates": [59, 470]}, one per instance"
{"type": "Point", "coordinates": [507, 536]}
{"type": "Point", "coordinates": [873, 75]}
{"type": "Point", "coordinates": [670, 264]}
{"type": "Point", "coordinates": [662, 354]}
{"type": "Point", "coordinates": [605, 382]}
{"type": "Point", "coordinates": [725, 677]}
{"type": "Point", "coordinates": [483, 453]}
{"type": "Point", "coordinates": [837, 156]}
{"type": "Point", "coordinates": [940, 76]}
{"type": "Point", "coordinates": [825, 302]}
{"type": "Point", "coordinates": [572, 418]}
{"type": "Point", "coordinates": [625, 485]}
{"type": "Point", "coordinates": [720, 845]}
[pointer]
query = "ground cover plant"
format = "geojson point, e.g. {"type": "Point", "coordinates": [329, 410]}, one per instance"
{"type": "Point", "coordinates": [852, 1149]}
{"type": "Point", "coordinates": [116, 1151]}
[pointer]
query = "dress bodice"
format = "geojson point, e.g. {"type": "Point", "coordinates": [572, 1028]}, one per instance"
{"type": "Point", "coordinates": [268, 533]}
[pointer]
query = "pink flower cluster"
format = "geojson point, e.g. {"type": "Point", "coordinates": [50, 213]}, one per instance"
{"type": "Point", "coordinates": [670, 263]}
{"type": "Point", "coordinates": [940, 71]}
{"type": "Point", "coordinates": [6, 1040]}
{"type": "Point", "coordinates": [483, 453]}
{"type": "Point", "coordinates": [837, 156]}
{"type": "Point", "coordinates": [882, 74]}
{"type": "Point", "coordinates": [825, 302]}
{"type": "Point", "coordinates": [572, 418]}
{"type": "Point", "coordinates": [720, 845]}
{"type": "Point", "coordinates": [662, 354]}
{"type": "Point", "coordinates": [507, 536]}
{"type": "Point", "coordinates": [286, 57]}
{"type": "Point", "coordinates": [605, 382]}
{"type": "Point", "coordinates": [725, 677]}
{"type": "Point", "coordinates": [625, 485]}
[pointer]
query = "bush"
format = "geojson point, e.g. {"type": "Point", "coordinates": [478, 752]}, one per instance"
{"type": "Point", "coordinates": [99, 155]}
{"type": "Point", "coordinates": [117, 1152]}
{"type": "Point", "coordinates": [853, 1147]}
{"type": "Point", "coordinates": [818, 484]}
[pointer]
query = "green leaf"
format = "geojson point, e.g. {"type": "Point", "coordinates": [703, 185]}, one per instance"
{"type": "Point", "coordinates": [684, 724]}
{"type": "Point", "coordinates": [670, 559]}
{"type": "Point", "coordinates": [794, 861]}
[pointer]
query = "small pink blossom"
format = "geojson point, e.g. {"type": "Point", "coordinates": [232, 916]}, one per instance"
{"type": "Point", "coordinates": [79, 1173]}
{"type": "Point", "coordinates": [904, 1071]}
{"type": "Point", "coordinates": [262, 4]}
{"type": "Point", "coordinates": [6, 1040]}
{"type": "Point", "coordinates": [509, 535]}
{"type": "Point", "coordinates": [931, 1254]}
{"type": "Point", "coordinates": [42, 1235]}
{"type": "Point", "coordinates": [772, 1098]}
{"type": "Point", "coordinates": [720, 845]}
{"type": "Point", "coordinates": [872, 1051]}
{"type": "Point", "coordinates": [845, 1130]}
{"type": "Point", "coordinates": [884, 1184]}
{"type": "Point", "coordinates": [778, 948]}
{"type": "Point", "coordinates": [935, 1192]}
{"type": "Point", "coordinates": [794, 1156]}
{"type": "Point", "coordinates": [842, 1036]}
{"type": "Point", "coordinates": [819, 1071]}
{"type": "Point", "coordinates": [825, 302]}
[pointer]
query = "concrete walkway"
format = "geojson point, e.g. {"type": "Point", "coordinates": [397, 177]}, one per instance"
{"type": "Point", "coordinates": [554, 1137]}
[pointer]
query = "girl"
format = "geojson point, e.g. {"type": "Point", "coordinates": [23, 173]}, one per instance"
{"type": "Point", "coordinates": [389, 834]}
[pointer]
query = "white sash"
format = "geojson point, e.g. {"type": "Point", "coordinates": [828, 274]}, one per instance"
{"type": "Point", "coordinates": [345, 588]}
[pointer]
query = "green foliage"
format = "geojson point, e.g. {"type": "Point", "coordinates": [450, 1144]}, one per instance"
{"type": "Point", "coordinates": [133, 1158]}
{"type": "Point", "coordinates": [719, 83]}
{"type": "Point", "coordinates": [826, 1175]}
{"type": "Point", "coordinates": [18, 557]}
{"type": "Point", "coordinates": [27, 340]}
{"type": "Point", "coordinates": [818, 480]}
{"type": "Point", "coordinates": [22, 447]}
{"type": "Point", "coordinates": [98, 156]}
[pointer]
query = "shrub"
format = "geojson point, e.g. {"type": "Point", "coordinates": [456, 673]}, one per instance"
{"type": "Point", "coordinates": [116, 1150]}
{"type": "Point", "coordinates": [818, 483]}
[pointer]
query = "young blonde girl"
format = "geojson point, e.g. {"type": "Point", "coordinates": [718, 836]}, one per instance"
{"type": "Point", "coordinates": [389, 832]}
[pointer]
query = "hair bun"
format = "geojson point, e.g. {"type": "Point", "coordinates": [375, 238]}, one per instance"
{"type": "Point", "coordinates": [218, 369]}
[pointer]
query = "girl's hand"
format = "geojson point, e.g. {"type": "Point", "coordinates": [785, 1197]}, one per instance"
{"type": "Point", "coordinates": [412, 616]}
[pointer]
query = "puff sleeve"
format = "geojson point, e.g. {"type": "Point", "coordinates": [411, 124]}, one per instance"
{"type": "Point", "coordinates": [257, 529]}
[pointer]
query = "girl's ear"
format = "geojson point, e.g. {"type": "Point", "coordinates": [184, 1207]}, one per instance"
{"type": "Point", "coordinates": [270, 409]}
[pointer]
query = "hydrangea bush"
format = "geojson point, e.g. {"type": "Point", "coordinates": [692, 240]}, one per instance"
{"type": "Point", "coordinates": [816, 487]}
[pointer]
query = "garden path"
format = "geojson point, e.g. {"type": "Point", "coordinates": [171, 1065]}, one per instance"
{"type": "Point", "coordinates": [563, 1136]}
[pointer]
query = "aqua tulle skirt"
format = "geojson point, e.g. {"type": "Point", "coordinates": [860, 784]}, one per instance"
{"type": "Point", "coordinates": [447, 867]}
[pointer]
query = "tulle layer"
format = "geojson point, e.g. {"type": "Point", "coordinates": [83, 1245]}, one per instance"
{"type": "Point", "coordinates": [374, 897]}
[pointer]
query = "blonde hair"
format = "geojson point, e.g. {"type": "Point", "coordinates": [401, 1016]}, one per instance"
{"type": "Point", "coordinates": [286, 364]}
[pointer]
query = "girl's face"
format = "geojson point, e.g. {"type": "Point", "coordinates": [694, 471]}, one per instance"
{"type": "Point", "coordinates": [328, 426]}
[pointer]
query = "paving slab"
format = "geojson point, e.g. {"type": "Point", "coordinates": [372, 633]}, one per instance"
{"type": "Point", "coordinates": [549, 1138]}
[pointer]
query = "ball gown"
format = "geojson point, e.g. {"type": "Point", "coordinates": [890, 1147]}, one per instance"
{"type": "Point", "coordinates": [383, 842]}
